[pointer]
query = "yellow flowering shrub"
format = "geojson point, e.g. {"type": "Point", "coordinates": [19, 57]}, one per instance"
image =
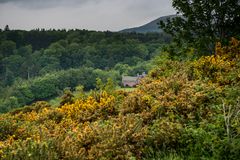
{"type": "Point", "coordinates": [212, 67]}
{"type": "Point", "coordinates": [174, 97]}
{"type": "Point", "coordinates": [218, 67]}
{"type": "Point", "coordinates": [1, 149]}
{"type": "Point", "coordinates": [231, 52]}
{"type": "Point", "coordinates": [168, 111]}
{"type": "Point", "coordinates": [118, 138]}
{"type": "Point", "coordinates": [89, 108]}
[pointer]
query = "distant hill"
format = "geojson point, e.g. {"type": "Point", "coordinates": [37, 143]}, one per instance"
{"type": "Point", "coordinates": [149, 27]}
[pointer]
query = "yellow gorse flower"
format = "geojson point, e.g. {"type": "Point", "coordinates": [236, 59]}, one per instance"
{"type": "Point", "coordinates": [90, 105]}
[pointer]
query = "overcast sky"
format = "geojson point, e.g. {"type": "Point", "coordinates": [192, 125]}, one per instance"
{"type": "Point", "coordinates": [101, 15]}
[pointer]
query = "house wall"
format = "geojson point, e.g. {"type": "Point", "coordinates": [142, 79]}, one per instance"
{"type": "Point", "coordinates": [130, 84]}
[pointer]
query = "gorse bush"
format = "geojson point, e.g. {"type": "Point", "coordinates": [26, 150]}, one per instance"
{"type": "Point", "coordinates": [82, 110]}
{"type": "Point", "coordinates": [220, 67]}
{"type": "Point", "coordinates": [190, 111]}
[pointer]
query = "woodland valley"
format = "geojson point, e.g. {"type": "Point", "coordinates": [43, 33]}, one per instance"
{"type": "Point", "coordinates": [62, 97]}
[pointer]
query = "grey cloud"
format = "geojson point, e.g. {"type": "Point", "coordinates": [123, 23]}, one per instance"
{"type": "Point", "coordinates": [83, 14]}
{"type": "Point", "coordinates": [39, 4]}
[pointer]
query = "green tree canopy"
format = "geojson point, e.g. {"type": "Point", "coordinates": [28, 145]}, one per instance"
{"type": "Point", "coordinates": [7, 48]}
{"type": "Point", "coordinates": [203, 22]}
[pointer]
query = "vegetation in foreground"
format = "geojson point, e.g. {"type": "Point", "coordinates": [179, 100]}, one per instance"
{"type": "Point", "coordinates": [181, 110]}
{"type": "Point", "coordinates": [184, 109]}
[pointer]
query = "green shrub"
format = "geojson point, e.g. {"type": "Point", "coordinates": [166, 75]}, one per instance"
{"type": "Point", "coordinates": [29, 150]}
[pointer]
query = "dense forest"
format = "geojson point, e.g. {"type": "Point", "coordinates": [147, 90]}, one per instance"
{"type": "Point", "coordinates": [186, 108]}
{"type": "Point", "coordinates": [39, 64]}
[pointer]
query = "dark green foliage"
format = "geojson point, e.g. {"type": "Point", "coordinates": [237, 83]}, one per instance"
{"type": "Point", "coordinates": [202, 23]}
{"type": "Point", "coordinates": [39, 56]}
{"type": "Point", "coordinates": [228, 150]}
{"type": "Point", "coordinates": [7, 47]}
{"type": "Point", "coordinates": [38, 53]}
{"type": "Point", "coordinates": [50, 85]}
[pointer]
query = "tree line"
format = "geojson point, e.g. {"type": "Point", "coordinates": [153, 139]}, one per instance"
{"type": "Point", "coordinates": [30, 55]}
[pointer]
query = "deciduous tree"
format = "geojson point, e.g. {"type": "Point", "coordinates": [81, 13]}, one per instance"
{"type": "Point", "coordinates": [203, 22]}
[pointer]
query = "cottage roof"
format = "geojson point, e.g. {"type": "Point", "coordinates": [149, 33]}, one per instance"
{"type": "Point", "coordinates": [129, 79]}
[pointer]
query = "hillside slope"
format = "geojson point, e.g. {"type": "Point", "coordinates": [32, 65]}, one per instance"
{"type": "Point", "coordinates": [182, 110]}
{"type": "Point", "coordinates": [149, 27]}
